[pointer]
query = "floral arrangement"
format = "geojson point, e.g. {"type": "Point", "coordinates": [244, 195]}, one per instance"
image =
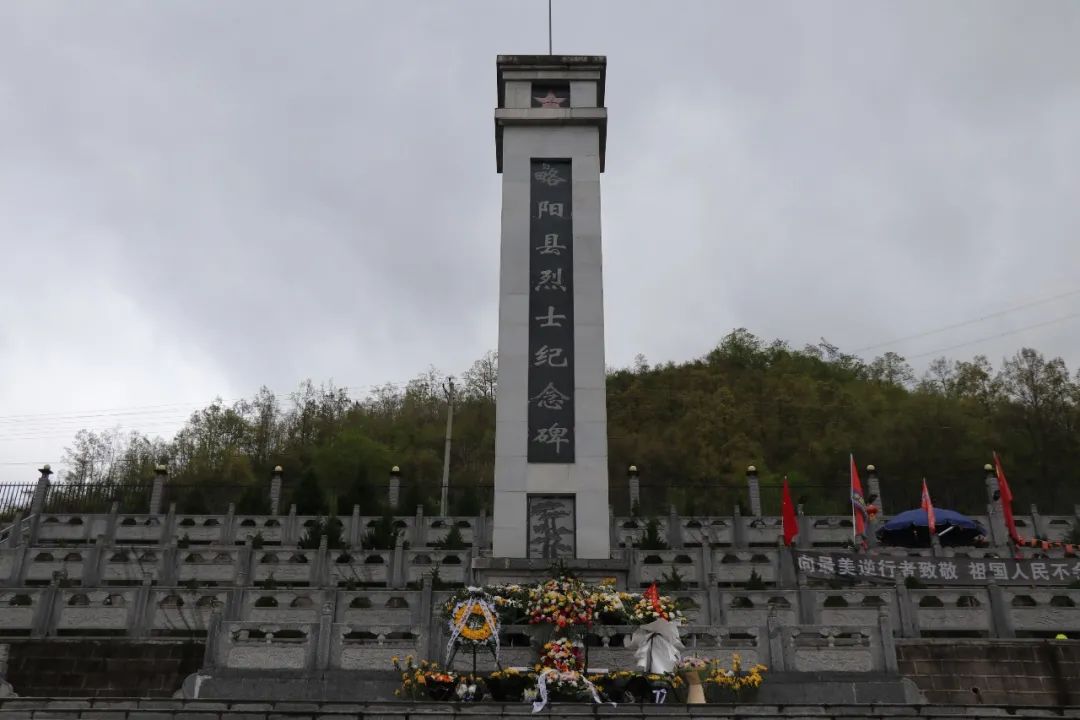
{"type": "Point", "coordinates": [571, 685]}
{"type": "Point", "coordinates": [469, 688]}
{"type": "Point", "coordinates": [612, 607]}
{"type": "Point", "coordinates": [421, 680]}
{"type": "Point", "coordinates": [696, 666]}
{"type": "Point", "coordinates": [733, 681]}
{"type": "Point", "coordinates": [568, 602]}
{"type": "Point", "coordinates": [561, 602]}
{"type": "Point", "coordinates": [651, 605]}
{"type": "Point", "coordinates": [633, 686]}
{"type": "Point", "coordinates": [510, 684]}
{"type": "Point", "coordinates": [562, 654]}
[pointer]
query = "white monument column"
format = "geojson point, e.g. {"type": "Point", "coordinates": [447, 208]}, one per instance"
{"type": "Point", "coordinates": [551, 471]}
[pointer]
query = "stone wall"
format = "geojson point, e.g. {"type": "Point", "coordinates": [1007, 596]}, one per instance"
{"type": "Point", "coordinates": [994, 672]}
{"type": "Point", "coordinates": [101, 668]}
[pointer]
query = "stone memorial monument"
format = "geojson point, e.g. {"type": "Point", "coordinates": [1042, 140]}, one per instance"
{"type": "Point", "coordinates": [551, 471]}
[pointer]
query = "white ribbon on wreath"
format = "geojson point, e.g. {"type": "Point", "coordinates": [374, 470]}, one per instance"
{"type": "Point", "coordinates": [476, 597]}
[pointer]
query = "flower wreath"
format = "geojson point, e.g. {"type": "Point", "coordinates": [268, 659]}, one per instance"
{"type": "Point", "coordinates": [474, 621]}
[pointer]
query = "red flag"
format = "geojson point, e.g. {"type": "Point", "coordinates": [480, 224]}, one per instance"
{"type": "Point", "coordinates": [929, 508]}
{"type": "Point", "coordinates": [858, 502]}
{"type": "Point", "coordinates": [787, 510]}
{"type": "Point", "coordinates": [1006, 500]}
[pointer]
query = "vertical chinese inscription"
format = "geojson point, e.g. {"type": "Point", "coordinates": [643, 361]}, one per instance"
{"type": "Point", "coordinates": [551, 314]}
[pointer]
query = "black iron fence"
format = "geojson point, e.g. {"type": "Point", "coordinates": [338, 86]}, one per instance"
{"type": "Point", "coordinates": [97, 497]}
{"type": "Point", "coordinates": [248, 499]}
{"type": "Point", "coordinates": [15, 498]}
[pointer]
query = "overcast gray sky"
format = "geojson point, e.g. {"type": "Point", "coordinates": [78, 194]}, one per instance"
{"type": "Point", "coordinates": [199, 198]}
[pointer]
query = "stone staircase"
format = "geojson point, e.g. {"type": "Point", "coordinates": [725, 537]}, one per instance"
{"type": "Point", "coordinates": [104, 709]}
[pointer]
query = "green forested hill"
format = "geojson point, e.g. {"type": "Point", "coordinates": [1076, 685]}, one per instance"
{"type": "Point", "coordinates": [691, 428]}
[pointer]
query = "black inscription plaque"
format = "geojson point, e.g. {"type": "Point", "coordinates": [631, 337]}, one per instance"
{"type": "Point", "coordinates": [551, 314]}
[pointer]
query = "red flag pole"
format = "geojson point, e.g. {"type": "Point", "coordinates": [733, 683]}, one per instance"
{"type": "Point", "coordinates": [788, 517]}
{"type": "Point", "coordinates": [928, 506]}
{"type": "Point", "coordinates": [1006, 496]}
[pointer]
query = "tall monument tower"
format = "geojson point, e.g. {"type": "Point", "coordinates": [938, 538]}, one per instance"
{"type": "Point", "coordinates": [551, 474]}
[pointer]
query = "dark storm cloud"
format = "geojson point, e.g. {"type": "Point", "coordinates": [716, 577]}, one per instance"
{"type": "Point", "coordinates": [199, 198]}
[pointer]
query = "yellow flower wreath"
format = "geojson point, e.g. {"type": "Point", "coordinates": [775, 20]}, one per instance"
{"type": "Point", "coordinates": [476, 627]}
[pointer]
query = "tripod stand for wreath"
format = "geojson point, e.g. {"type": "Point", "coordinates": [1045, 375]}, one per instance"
{"type": "Point", "coordinates": [474, 623]}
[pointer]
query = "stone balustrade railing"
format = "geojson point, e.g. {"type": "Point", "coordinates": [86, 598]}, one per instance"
{"type": "Point", "coordinates": [120, 563]}
{"type": "Point", "coordinates": [324, 644]}
{"type": "Point", "coordinates": [159, 611]}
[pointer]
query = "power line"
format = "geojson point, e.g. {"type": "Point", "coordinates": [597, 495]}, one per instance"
{"type": "Point", "coordinates": [171, 407]}
{"type": "Point", "coordinates": [999, 335]}
{"type": "Point", "coordinates": [964, 323]}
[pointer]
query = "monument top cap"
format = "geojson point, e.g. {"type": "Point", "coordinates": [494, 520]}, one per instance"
{"type": "Point", "coordinates": [551, 67]}
{"type": "Point", "coordinates": [550, 91]}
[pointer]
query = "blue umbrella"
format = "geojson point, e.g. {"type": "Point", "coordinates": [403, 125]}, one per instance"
{"type": "Point", "coordinates": [911, 529]}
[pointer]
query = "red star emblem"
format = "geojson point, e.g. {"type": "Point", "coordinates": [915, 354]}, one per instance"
{"type": "Point", "coordinates": [551, 100]}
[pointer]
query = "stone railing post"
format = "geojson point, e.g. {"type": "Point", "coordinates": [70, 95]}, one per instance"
{"type": "Point", "coordinates": [46, 612]}
{"type": "Point", "coordinates": [805, 538]}
{"type": "Point", "coordinates": [140, 615]}
{"type": "Point", "coordinates": [37, 503]}
{"type": "Point", "coordinates": [291, 531]}
{"type": "Point", "coordinates": [92, 561]}
{"type": "Point", "coordinates": [168, 528]}
{"type": "Point", "coordinates": [999, 535]}
{"type": "Point", "coordinates": [738, 529]}
{"type": "Point", "coordinates": [1038, 523]}
{"type": "Point", "coordinates": [787, 576]}
{"type": "Point", "coordinates": [393, 492]}
{"type": "Point", "coordinates": [774, 636]}
{"type": "Point", "coordinates": [633, 572]}
{"type": "Point", "coordinates": [275, 490]}
{"type": "Point", "coordinates": [41, 492]}
{"type": "Point", "coordinates": [323, 641]}
{"type": "Point", "coordinates": [674, 529]}
{"type": "Point", "coordinates": [245, 575]}
{"type": "Point", "coordinates": [228, 528]}
{"type": "Point", "coordinates": [704, 570]}
{"type": "Point", "coordinates": [419, 529]}
{"type": "Point", "coordinates": [320, 569]}
{"type": "Point", "coordinates": [214, 629]}
{"type": "Point", "coordinates": [161, 475]}
{"type": "Point", "coordinates": [716, 613]}
{"type": "Point", "coordinates": [480, 533]}
{"type": "Point", "coordinates": [905, 609]}
{"type": "Point", "coordinates": [886, 642]}
{"type": "Point", "coordinates": [808, 611]}
{"type": "Point", "coordinates": [356, 533]}
{"type": "Point", "coordinates": [14, 537]}
{"type": "Point", "coordinates": [427, 620]}
{"type": "Point", "coordinates": [397, 563]}
{"type": "Point", "coordinates": [873, 486]}
{"type": "Point", "coordinates": [18, 566]}
{"type": "Point", "coordinates": [1000, 617]}
{"type": "Point", "coordinates": [633, 483]}
{"type": "Point", "coordinates": [753, 489]}
{"type": "Point", "coordinates": [613, 532]}
{"type": "Point", "coordinates": [113, 520]}
{"type": "Point", "coordinates": [169, 567]}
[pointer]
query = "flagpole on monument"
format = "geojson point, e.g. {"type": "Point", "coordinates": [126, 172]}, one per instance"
{"type": "Point", "coordinates": [550, 52]}
{"type": "Point", "coordinates": [851, 500]}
